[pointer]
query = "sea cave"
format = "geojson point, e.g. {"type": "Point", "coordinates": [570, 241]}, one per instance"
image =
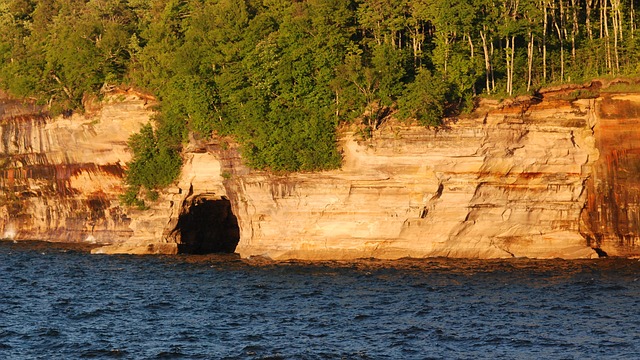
{"type": "Point", "coordinates": [207, 225]}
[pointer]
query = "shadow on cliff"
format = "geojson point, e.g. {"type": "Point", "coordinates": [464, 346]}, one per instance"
{"type": "Point", "coordinates": [208, 226]}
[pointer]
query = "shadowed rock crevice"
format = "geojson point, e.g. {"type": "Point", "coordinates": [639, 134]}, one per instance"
{"type": "Point", "coordinates": [208, 225]}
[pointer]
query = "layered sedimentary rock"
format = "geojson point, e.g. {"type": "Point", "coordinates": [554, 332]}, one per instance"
{"type": "Point", "coordinates": [612, 213]}
{"type": "Point", "coordinates": [159, 228]}
{"type": "Point", "coordinates": [538, 177]}
{"type": "Point", "coordinates": [509, 182]}
{"type": "Point", "coordinates": [61, 177]}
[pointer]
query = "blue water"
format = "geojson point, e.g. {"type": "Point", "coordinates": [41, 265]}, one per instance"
{"type": "Point", "coordinates": [63, 304]}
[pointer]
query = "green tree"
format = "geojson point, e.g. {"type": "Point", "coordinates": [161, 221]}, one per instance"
{"type": "Point", "coordinates": [425, 99]}
{"type": "Point", "coordinates": [155, 164]}
{"type": "Point", "coordinates": [281, 76]}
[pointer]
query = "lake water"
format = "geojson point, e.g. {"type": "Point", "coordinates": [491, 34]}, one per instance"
{"type": "Point", "coordinates": [57, 303]}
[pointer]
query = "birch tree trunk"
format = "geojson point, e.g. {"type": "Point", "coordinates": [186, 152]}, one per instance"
{"type": "Point", "coordinates": [510, 54]}
{"type": "Point", "coordinates": [487, 59]}
{"type": "Point", "coordinates": [574, 29]}
{"type": "Point", "coordinates": [605, 24]}
{"type": "Point", "coordinates": [513, 54]}
{"type": "Point", "coordinates": [493, 75]}
{"type": "Point", "coordinates": [617, 31]}
{"type": "Point", "coordinates": [560, 37]}
{"type": "Point", "coordinates": [530, 60]}
{"type": "Point", "coordinates": [589, 8]}
{"type": "Point", "coordinates": [631, 17]}
{"type": "Point", "coordinates": [545, 24]}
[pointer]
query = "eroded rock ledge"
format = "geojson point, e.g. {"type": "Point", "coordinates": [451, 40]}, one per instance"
{"type": "Point", "coordinates": [552, 177]}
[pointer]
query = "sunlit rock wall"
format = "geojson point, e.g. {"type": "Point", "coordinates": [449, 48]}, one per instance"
{"type": "Point", "coordinates": [536, 177]}
{"type": "Point", "coordinates": [61, 177]}
{"type": "Point", "coordinates": [612, 215]}
{"type": "Point", "coordinates": [507, 182]}
{"type": "Point", "coordinates": [156, 230]}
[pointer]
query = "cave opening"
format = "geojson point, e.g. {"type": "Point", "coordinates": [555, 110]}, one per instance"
{"type": "Point", "coordinates": [208, 226]}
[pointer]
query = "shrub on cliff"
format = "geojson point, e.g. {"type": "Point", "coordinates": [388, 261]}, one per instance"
{"type": "Point", "coordinates": [155, 164]}
{"type": "Point", "coordinates": [424, 99]}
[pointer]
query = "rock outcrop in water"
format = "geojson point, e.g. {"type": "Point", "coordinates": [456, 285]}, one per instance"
{"type": "Point", "coordinates": [538, 177]}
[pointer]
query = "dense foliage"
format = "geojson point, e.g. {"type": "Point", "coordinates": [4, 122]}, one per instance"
{"type": "Point", "coordinates": [280, 76]}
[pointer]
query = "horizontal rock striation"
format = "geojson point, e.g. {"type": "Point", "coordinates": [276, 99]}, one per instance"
{"type": "Point", "coordinates": [548, 177]}
{"type": "Point", "coordinates": [506, 183]}
{"type": "Point", "coordinates": [60, 178]}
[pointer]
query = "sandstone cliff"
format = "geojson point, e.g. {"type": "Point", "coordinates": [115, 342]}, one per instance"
{"type": "Point", "coordinates": [546, 177]}
{"type": "Point", "coordinates": [61, 177]}
{"type": "Point", "coordinates": [509, 182]}
{"type": "Point", "coordinates": [611, 218]}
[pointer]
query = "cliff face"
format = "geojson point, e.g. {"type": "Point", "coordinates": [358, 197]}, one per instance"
{"type": "Point", "coordinates": [611, 218]}
{"type": "Point", "coordinates": [61, 177]}
{"type": "Point", "coordinates": [510, 182]}
{"type": "Point", "coordinates": [550, 178]}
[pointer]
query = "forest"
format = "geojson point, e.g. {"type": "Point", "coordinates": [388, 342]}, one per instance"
{"type": "Point", "coordinates": [280, 77]}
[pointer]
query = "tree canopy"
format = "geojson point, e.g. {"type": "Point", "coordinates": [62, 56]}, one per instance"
{"type": "Point", "coordinates": [281, 76]}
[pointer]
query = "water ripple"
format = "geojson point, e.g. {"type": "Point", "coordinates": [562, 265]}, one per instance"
{"type": "Point", "coordinates": [56, 303]}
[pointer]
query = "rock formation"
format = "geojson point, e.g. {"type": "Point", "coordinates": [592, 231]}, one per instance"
{"type": "Point", "coordinates": [611, 218]}
{"type": "Point", "coordinates": [552, 176]}
{"type": "Point", "coordinates": [61, 177]}
{"type": "Point", "coordinates": [506, 183]}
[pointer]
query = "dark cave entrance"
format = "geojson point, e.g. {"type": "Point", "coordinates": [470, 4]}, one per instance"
{"type": "Point", "coordinates": [208, 226]}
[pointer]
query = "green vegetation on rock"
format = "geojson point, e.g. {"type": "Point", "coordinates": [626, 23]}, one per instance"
{"type": "Point", "coordinates": [156, 163]}
{"type": "Point", "coordinates": [281, 76]}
